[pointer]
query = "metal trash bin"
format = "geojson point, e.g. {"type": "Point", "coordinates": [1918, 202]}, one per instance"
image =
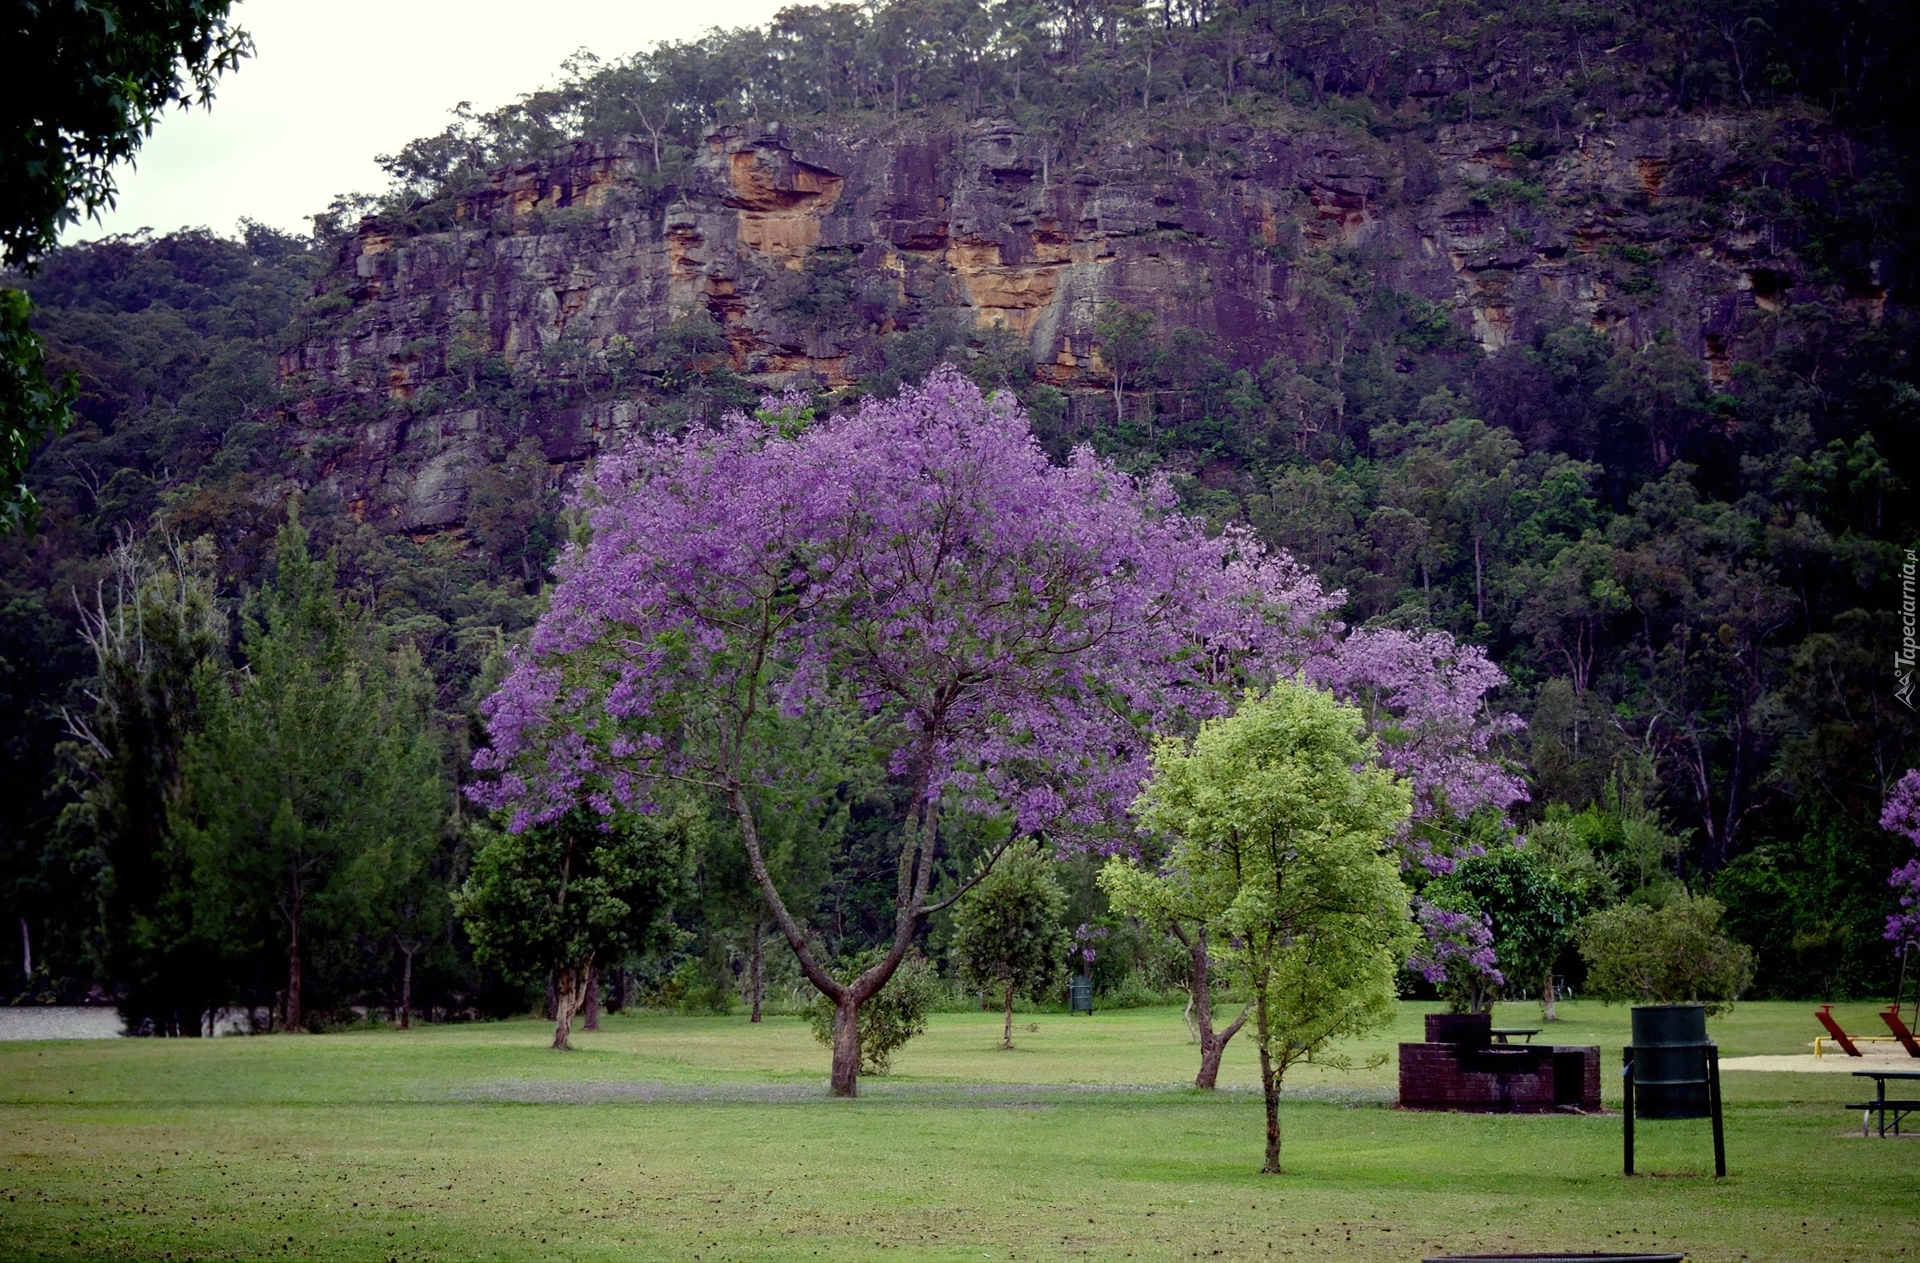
{"type": "Point", "coordinates": [1670, 1061]}
{"type": "Point", "coordinates": [1672, 1070]}
{"type": "Point", "coordinates": [1080, 995]}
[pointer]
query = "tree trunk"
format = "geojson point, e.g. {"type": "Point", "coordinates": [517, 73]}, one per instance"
{"type": "Point", "coordinates": [1547, 998]}
{"type": "Point", "coordinates": [406, 990]}
{"type": "Point", "coordinates": [295, 1017]}
{"type": "Point", "coordinates": [570, 990]}
{"type": "Point", "coordinates": [1006, 1033]}
{"type": "Point", "coordinates": [1213, 1044]}
{"type": "Point", "coordinates": [1269, 1088]}
{"type": "Point", "coordinates": [846, 1046]}
{"type": "Point", "coordinates": [757, 978]}
{"type": "Point", "coordinates": [593, 998]}
{"type": "Point", "coordinates": [26, 949]}
{"type": "Point", "coordinates": [553, 1000]}
{"type": "Point", "coordinates": [1210, 1053]}
{"type": "Point", "coordinates": [1479, 584]}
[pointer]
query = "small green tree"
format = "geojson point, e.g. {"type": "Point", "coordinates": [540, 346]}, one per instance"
{"type": "Point", "coordinates": [315, 787]}
{"type": "Point", "coordinates": [557, 898]}
{"type": "Point", "coordinates": [1284, 810]}
{"type": "Point", "coordinates": [888, 1020]}
{"type": "Point", "coordinates": [1007, 933]}
{"type": "Point", "coordinates": [1126, 346]}
{"type": "Point", "coordinates": [1533, 911]}
{"type": "Point", "coordinates": [1672, 953]}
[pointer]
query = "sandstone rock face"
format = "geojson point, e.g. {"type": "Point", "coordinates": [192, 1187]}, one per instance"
{"type": "Point", "coordinates": [555, 269]}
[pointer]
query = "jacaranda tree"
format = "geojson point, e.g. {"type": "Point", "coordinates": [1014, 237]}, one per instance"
{"type": "Point", "coordinates": [1009, 633]}
{"type": "Point", "coordinates": [1902, 816]}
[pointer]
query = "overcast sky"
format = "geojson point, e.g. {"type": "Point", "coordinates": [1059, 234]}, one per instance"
{"type": "Point", "coordinates": [331, 85]}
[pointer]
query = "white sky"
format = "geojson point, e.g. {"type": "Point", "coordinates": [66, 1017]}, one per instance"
{"type": "Point", "coordinates": [333, 84]}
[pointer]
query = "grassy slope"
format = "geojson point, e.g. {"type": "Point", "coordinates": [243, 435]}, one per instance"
{"type": "Point", "coordinates": [705, 1137]}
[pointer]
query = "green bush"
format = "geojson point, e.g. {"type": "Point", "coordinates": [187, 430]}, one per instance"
{"type": "Point", "coordinates": [1135, 992]}
{"type": "Point", "coordinates": [889, 1019]}
{"type": "Point", "coordinates": [1636, 953]}
{"type": "Point", "coordinates": [691, 988]}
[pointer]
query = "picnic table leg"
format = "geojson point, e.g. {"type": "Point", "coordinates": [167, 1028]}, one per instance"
{"type": "Point", "coordinates": [1881, 1097]}
{"type": "Point", "coordinates": [1719, 1132]}
{"type": "Point", "coordinates": [1626, 1077]}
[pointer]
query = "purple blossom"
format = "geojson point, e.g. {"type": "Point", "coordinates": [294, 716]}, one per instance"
{"type": "Point", "coordinates": [1902, 816]}
{"type": "Point", "coordinates": [1458, 949]}
{"type": "Point", "coordinates": [1084, 938]}
{"type": "Point", "coordinates": [1015, 632]}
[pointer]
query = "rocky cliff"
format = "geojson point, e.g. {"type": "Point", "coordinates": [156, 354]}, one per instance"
{"type": "Point", "coordinates": [805, 248]}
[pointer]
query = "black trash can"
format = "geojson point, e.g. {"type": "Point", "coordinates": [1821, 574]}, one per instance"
{"type": "Point", "coordinates": [1080, 995]}
{"type": "Point", "coordinates": [1670, 1061]}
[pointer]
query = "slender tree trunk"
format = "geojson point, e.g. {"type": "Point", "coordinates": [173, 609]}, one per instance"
{"type": "Point", "coordinates": [846, 1046]}
{"type": "Point", "coordinates": [296, 1019]}
{"type": "Point", "coordinates": [593, 998]}
{"type": "Point", "coordinates": [1269, 1086]}
{"type": "Point", "coordinates": [26, 949]}
{"type": "Point", "coordinates": [1479, 585]}
{"type": "Point", "coordinates": [1006, 1033]}
{"type": "Point", "coordinates": [1547, 997]}
{"type": "Point", "coordinates": [757, 977]}
{"type": "Point", "coordinates": [406, 989]}
{"type": "Point", "coordinates": [553, 999]}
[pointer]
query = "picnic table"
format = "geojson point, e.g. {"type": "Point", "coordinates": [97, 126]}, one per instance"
{"type": "Point", "coordinates": [1880, 1104]}
{"type": "Point", "coordinates": [1501, 1032]}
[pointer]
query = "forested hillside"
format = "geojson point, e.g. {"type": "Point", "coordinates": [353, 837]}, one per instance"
{"type": "Point", "coordinates": [1583, 333]}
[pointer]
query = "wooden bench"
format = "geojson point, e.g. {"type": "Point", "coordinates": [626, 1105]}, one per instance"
{"type": "Point", "coordinates": [1880, 1104]}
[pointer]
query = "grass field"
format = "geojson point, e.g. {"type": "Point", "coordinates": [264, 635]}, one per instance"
{"type": "Point", "coordinates": [707, 1138]}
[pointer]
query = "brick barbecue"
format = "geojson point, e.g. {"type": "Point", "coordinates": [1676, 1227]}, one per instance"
{"type": "Point", "coordinates": [1461, 1068]}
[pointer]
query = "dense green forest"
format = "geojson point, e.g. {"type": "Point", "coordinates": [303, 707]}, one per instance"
{"type": "Point", "coordinates": [1693, 586]}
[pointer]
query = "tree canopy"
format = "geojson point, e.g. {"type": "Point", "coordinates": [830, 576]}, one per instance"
{"type": "Point", "coordinates": [102, 73]}
{"type": "Point", "coordinates": [315, 782]}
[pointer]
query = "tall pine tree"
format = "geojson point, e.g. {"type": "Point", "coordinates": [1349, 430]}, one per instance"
{"type": "Point", "coordinates": [315, 788]}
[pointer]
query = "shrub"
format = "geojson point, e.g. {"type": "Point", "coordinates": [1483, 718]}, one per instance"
{"type": "Point", "coordinates": [893, 1016]}
{"type": "Point", "coordinates": [692, 988]}
{"type": "Point", "coordinates": [1672, 953]}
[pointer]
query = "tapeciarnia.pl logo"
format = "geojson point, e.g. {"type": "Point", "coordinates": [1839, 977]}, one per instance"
{"type": "Point", "coordinates": [1903, 658]}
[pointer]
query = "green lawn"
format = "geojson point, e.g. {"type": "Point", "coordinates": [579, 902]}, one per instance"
{"type": "Point", "coordinates": [676, 1137]}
